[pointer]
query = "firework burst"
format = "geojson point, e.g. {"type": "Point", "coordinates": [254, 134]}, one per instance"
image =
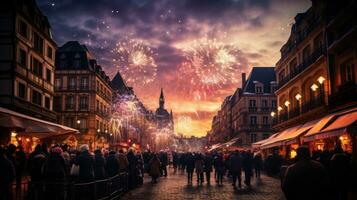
{"type": "Point", "coordinates": [210, 64]}
{"type": "Point", "coordinates": [136, 62]}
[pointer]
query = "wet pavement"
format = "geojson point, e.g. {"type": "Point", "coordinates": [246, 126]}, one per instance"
{"type": "Point", "coordinates": [175, 187]}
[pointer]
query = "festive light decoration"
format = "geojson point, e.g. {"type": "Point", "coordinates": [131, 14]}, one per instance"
{"type": "Point", "coordinates": [298, 97]}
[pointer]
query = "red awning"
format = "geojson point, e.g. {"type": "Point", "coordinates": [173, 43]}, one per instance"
{"type": "Point", "coordinates": [336, 126]}
{"type": "Point", "coordinates": [279, 140]}
{"type": "Point", "coordinates": [259, 143]}
{"type": "Point", "coordinates": [32, 127]}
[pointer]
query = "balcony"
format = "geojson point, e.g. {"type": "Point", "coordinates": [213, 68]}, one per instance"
{"type": "Point", "coordinates": [293, 112]}
{"type": "Point", "coordinates": [252, 109]}
{"type": "Point", "coordinates": [265, 109]}
{"type": "Point", "coordinates": [312, 104]}
{"type": "Point", "coordinates": [84, 87]}
{"type": "Point", "coordinates": [345, 94]}
{"type": "Point", "coordinates": [72, 87]}
{"type": "Point", "coordinates": [304, 65]}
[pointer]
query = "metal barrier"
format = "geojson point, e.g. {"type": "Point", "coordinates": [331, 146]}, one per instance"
{"type": "Point", "coordinates": [110, 188]}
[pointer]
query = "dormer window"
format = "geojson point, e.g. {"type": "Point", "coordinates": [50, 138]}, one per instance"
{"type": "Point", "coordinates": [63, 61]}
{"type": "Point", "coordinates": [77, 61]}
{"type": "Point", "coordinates": [273, 87]}
{"type": "Point", "coordinates": [258, 87]}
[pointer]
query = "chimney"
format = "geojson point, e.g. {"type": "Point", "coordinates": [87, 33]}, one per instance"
{"type": "Point", "coordinates": [243, 80]}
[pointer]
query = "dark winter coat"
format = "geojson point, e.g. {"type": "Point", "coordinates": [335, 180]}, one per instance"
{"type": "Point", "coordinates": [112, 165]}
{"type": "Point", "coordinates": [235, 164]}
{"type": "Point", "coordinates": [86, 167]}
{"type": "Point", "coordinates": [99, 167]}
{"type": "Point", "coordinates": [54, 169]}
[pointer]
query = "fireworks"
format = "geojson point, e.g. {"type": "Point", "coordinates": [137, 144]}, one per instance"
{"type": "Point", "coordinates": [136, 62]}
{"type": "Point", "coordinates": [209, 65]}
{"type": "Point", "coordinates": [184, 124]}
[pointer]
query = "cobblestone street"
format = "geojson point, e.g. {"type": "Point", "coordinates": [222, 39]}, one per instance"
{"type": "Point", "coordinates": [175, 187]}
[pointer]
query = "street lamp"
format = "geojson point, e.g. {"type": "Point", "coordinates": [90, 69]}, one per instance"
{"type": "Point", "coordinates": [78, 122]}
{"type": "Point", "coordinates": [272, 114]}
{"type": "Point", "coordinates": [298, 97]}
{"type": "Point", "coordinates": [98, 130]}
{"type": "Point", "coordinates": [321, 79]}
{"type": "Point", "coordinates": [280, 108]}
{"type": "Point", "coordinates": [314, 87]}
{"type": "Point", "coordinates": [287, 103]}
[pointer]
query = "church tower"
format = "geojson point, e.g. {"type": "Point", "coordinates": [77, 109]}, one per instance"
{"type": "Point", "coordinates": [162, 99]}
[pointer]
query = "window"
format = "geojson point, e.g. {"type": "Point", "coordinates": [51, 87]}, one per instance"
{"type": "Point", "coordinates": [97, 106]}
{"type": "Point", "coordinates": [21, 90]}
{"type": "Point", "coordinates": [83, 124]}
{"type": "Point", "coordinates": [281, 75]}
{"type": "Point", "coordinates": [83, 103]}
{"type": "Point", "coordinates": [348, 71]}
{"type": "Point", "coordinates": [77, 61]}
{"type": "Point", "coordinates": [293, 66]}
{"type": "Point", "coordinates": [69, 121]}
{"type": "Point", "coordinates": [37, 43]}
{"type": "Point", "coordinates": [63, 61]}
{"type": "Point", "coordinates": [273, 104]}
{"type": "Point", "coordinates": [265, 120]}
{"type": "Point", "coordinates": [57, 103]}
{"type": "Point", "coordinates": [253, 120]}
{"type": "Point", "coordinates": [253, 137]}
{"type": "Point", "coordinates": [258, 89]}
{"type": "Point", "coordinates": [23, 58]}
{"type": "Point", "coordinates": [36, 97]}
{"type": "Point", "coordinates": [72, 83]}
{"type": "Point", "coordinates": [318, 42]}
{"type": "Point", "coordinates": [37, 67]}
{"type": "Point", "coordinates": [306, 53]}
{"type": "Point", "coordinates": [273, 89]}
{"type": "Point", "coordinates": [251, 103]}
{"type": "Point", "coordinates": [23, 28]}
{"type": "Point", "coordinates": [49, 52]}
{"type": "Point", "coordinates": [47, 103]}
{"type": "Point", "coordinates": [97, 124]}
{"type": "Point", "coordinates": [97, 85]}
{"type": "Point", "coordinates": [70, 102]}
{"type": "Point", "coordinates": [84, 83]}
{"type": "Point", "coordinates": [58, 83]}
{"type": "Point", "coordinates": [264, 103]}
{"type": "Point", "coordinates": [48, 75]}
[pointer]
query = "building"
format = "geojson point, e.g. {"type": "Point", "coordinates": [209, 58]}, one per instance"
{"type": "Point", "coordinates": [26, 60]}
{"type": "Point", "coordinates": [83, 95]}
{"type": "Point", "coordinates": [317, 82]}
{"type": "Point", "coordinates": [302, 70]}
{"type": "Point", "coordinates": [163, 119]}
{"type": "Point", "coordinates": [245, 116]}
{"type": "Point", "coordinates": [252, 106]}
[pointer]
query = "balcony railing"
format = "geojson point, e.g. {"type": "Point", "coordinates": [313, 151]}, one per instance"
{"type": "Point", "coordinates": [252, 109]}
{"type": "Point", "coordinates": [265, 109]}
{"type": "Point", "coordinates": [304, 65]}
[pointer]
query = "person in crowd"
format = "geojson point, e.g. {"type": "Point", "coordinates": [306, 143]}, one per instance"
{"type": "Point", "coordinates": [183, 162]}
{"type": "Point", "coordinates": [247, 167]}
{"type": "Point", "coordinates": [164, 162]}
{"type": "Point", "coordinates": [20, 164]}
{"type": "Point", "coordinates": [133, 169]}
{"type": "Point", "coordinates": [190, 166]}
{"type": "Point", "coordinates": [66, 155]}
{"type": "Point", "coordinates": [199, 166]}
{"type": "Point", "coordinates": [85, 161]}
{"type": "Point", "coordinates": [208, 162]}
{"type": "Point", "coordinates": [258, 164]}
{"type": "Point", "coordinates": [175, 160]}
{"type": "Point", "coordinates": [339, 173]}
{"type": "Point", "coordinates": [220, 169]}
{"type": "Point", "coordinates": [55, 172]}
{"type": "Point", "coordinates": [45, 149]}
{"type": "Point", "coordinates": [35, 162]}
{"type": "Point", "coordinates": [236, 169]}
{"type": "Point", "coordinates": [7, 174]}
{"type": "Point", "coordinates": [306, 179]}
{"type": "Point", "coordinates": [123, 161]}
{"type": "Point", "coordinates": [155, 168]}
{"type": "Point", "coordinates": [112, 165]}
{"type": "Point", "coordinates": [99, 165]}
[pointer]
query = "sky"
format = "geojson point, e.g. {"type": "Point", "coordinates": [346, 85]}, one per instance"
{"type": "Point", "coordinates": [195, 50]}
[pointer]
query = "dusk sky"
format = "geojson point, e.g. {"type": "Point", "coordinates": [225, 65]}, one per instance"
{"type": "Point", "coordinates": [173, 38]}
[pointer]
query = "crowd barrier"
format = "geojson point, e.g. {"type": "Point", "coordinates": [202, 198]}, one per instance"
{"type": "Point", "coordinates": [111, 188]}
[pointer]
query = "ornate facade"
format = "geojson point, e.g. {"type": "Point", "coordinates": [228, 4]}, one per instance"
{"type": "Point", "coordinates": [27, 60]}
{"type": "Point", "coordinates": [83, 96]}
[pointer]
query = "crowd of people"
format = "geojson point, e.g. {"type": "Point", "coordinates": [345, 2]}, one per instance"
{"type": "Point", "coordinates": [324, 175]}
{"type": "Point", "coordinates": [230, 164]}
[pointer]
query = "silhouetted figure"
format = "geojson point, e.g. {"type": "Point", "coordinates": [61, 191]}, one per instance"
{"type": "Point", "coordinates": [155, 168]}
{"type": "Point", "coordinates": [258, 164]}
{"type": "Point", "coordinates": [208, 162]}
{"type": "Point", "coordinates": [199, 168]}
{"type": "Point", "coordinates": [20, 163]}
{"type": "Point", "coordinates": [7, 174]}
{"type": "Point", "coordinates": [220, 169]}
{"type": "Point", "coordinates": [339, 174]}
{"type": "Point", "coordinates": [306, 179]}
{"type": "Point", "coordinates": [99, 165]}
{"type": "Point", "coordinates": [236, 168]}
{"type": "Point", "coordinates": [112, 165]}
{"type": "Point", "coordinates": [190, 166]}
{"type": "Point", "coordinates": [86, 165]}
{"type": "Point", "coordinates": [247, 167]}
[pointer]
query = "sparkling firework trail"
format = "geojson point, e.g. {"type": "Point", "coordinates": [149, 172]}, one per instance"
{"type": "Point", "coordinates": [136, 62]}
{"type": "Point", "coordinates": [209, 65]}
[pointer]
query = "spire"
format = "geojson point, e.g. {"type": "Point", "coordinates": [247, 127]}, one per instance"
{"type": "Point", "coordinates": [162, 99]}
{"type": "Point", "coordinates": [171, 114]}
